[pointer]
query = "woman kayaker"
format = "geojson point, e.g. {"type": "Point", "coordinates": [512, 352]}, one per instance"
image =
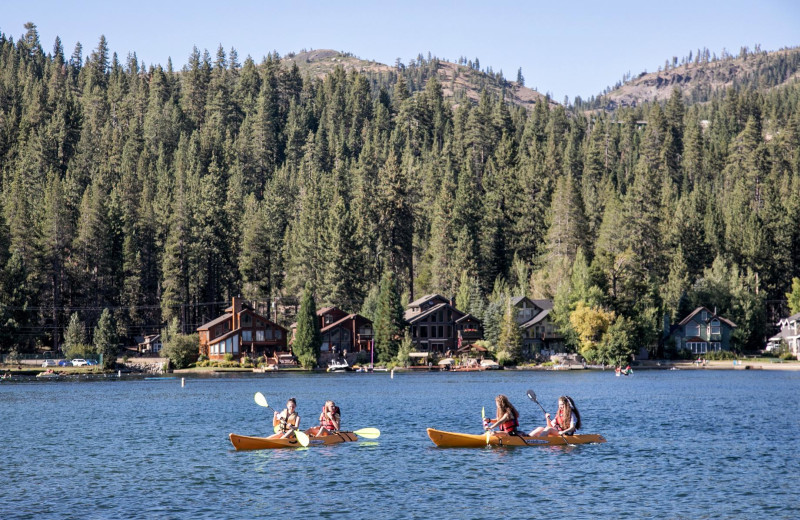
{"type": "Point", "coordinates": [568, 419]}
{"type": "Point", "coordinates": [288, 420]}
{"type": "Point", "coordinates": [329, 419]}
{"type": "Point", "coordinates": [507, 417]}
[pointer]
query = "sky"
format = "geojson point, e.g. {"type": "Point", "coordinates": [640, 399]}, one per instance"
{"type": "Point", "coordinates": [573, 49]}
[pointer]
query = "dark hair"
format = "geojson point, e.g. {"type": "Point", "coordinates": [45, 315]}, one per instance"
{"type": "Point", "coordinates": [575, 411]}
{"type": "Point", "coordinates": [292, 400]}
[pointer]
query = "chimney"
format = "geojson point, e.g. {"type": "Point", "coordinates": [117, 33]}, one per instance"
{"type": "Point", "coordinates": [237, 308]}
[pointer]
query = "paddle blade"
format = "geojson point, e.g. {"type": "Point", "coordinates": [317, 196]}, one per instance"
{"type": "Point", "coordinates": [532, 396]}
{"type": "Point", "coordinates": [483, 412]}
{"type": "Point", "coordinates": [302, 438]}
{"type": "Point", "coordinates": [261, 400]}
{"type": "Point", "coordinates": [488, 436]}
{"type": "Point", "coordinates": [368, 433]}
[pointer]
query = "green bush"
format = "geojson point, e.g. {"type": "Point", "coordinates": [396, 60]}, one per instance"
{"type": "Point", "coordinates": [719, 355]}
{"type": "Point", "coordinates": [182, 349]}
{"type": "Point", "coordinates": [787, 356]}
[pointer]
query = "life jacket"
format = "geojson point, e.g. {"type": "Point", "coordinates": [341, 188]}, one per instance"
{"type": "Point", "coordinates": [291, 418]}
{"type": "Point", "coordinates": [326, 422]}
{"type": "Point", "coordinates": [509, 426]}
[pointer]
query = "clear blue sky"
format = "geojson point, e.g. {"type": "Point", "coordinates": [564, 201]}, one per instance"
{"type": "Point", "coordinates": [565, 48]}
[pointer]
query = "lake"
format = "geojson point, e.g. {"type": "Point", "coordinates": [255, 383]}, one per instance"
{"type": "Point", "coordinates": [681, 444]}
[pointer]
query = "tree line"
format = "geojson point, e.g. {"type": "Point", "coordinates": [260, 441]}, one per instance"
{"type": "Point", "coordinates": [159, 193]}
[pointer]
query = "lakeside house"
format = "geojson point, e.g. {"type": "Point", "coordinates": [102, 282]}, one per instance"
{"type": "Point", "coordinates": [341, 331]}
{"type": "Point", "coordinates": [241, 331]}
{"type": "Point", "coordinates": [789, 334]}
{"type": "Point", "coordinates": [437, 326]}
{"type": "Point", "coordinates": [150, 344]}
{"type": "Point", "coordinates": [700, 332]}
{"type": "Point", "coordinates": [540, 336]}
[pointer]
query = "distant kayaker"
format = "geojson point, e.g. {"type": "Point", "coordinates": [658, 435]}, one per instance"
{"type": "Point", "coordinates": [568, 419]}
{"type": "Point", "coordinates": [288, 420]}
{"type": "Point", "coordinates": [329, 419]}
{"type": "Point", "coordinates": [507, 417]}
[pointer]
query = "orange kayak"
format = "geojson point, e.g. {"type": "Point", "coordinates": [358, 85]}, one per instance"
{"type": "Point", "coordinates": [243, 442]}
{"type": "Point", "coordinates": [467, 440]}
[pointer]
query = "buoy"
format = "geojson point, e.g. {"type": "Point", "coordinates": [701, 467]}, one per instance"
{"type": "Point", "coordinates": [119, 373]}
{"type": "Point", "coordinates": [392, 374]}
{"type": "Point", "coordinates": [183, 382]}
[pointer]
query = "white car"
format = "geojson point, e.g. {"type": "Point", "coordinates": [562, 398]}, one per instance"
{"type": "Point", "coordinates": [49, 363]}
{"type": "Point", "coordinates": [78, 362]}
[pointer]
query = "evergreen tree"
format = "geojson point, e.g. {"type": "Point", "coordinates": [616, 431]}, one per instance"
{"type": "Point", "coordinates": [389, 323]}
{"type": "Point", "coordinates": [106, 342]}
{"type": "Point", "coordinates": [307, 339]}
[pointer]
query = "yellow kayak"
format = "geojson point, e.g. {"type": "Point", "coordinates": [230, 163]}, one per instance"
{"type": "Point", "coordinates": [243, 442]}
{"type": "Point", "coordinates": [467, 440]}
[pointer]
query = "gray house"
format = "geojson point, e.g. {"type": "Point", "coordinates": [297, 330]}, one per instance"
{"type": "Point", "coordinates": [700, 332]}
{"type": "Point", "coordinates": [540, 336]}
{"type": "Point", "coordinates": [789, 334]}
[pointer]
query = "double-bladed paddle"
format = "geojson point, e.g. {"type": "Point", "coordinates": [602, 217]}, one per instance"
{"type": "Point", "coordinates": [532, 396]}
{"type": "Point", "coordinates": [302, 438]}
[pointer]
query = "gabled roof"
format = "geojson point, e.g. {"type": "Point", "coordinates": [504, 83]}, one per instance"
{"type": "Point", "coordinates": [536, 319]}
{"type": "Point", "coordinates": [688, 318]}
{"type": "Point", "coordinates": [410, 316]}
{"type": "Point", "coordinates": [418, 302]}
{"type": "Point", "coordinates": [225, 317]}
{"type": "Point", "coordinates": [545, 305]}
{"type": "Point", "coordinates": [793, 317]}
{"type": "Point", "coordinates": [349, 317]}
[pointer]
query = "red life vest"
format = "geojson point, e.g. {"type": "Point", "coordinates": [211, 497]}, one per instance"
{"type": "Point", "coordinates": [326, 422]}
{"type": "Point", "coordinates": [509, 426]}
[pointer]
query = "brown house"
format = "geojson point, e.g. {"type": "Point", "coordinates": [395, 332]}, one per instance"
{"type": "Point", "coordinates": [350, 332]}
{"type": "Point", "coordinates": [437, 326]}
{"type": "Point", "coordinates": [241, 331]}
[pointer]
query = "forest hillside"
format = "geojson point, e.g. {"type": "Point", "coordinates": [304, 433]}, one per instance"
{"type": "Point", "coordinates": [159, 193]}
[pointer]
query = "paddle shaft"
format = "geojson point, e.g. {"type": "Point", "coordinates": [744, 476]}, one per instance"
{"type": "Point", "coordinates": [532, 397]}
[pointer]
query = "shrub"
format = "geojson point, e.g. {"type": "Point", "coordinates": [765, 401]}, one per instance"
{"type": "Point", "coordinates": [182, 349]}
{"type": "Point", "coordinates": [786, 356]}
{"type": "Point", "coordinates": [719, 355]}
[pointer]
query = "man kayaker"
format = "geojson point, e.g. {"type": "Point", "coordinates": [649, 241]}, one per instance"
{"type": "Point", "coordinates": [329, 419]}
{"type": "Point", "coordinates": [288, 420]}
{"type": "Point", "coordinates": [507, 417]}
{"type": "Point", "coordinates": [568, 419]}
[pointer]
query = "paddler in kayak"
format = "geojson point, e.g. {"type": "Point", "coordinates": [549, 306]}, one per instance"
{"type": "Point", "coordinates": [288, 420]}
{"type": "Point", "coordinates": [329, 419]}
{"type": "Point", "coordinates": [507, 418]}
{"type": "Point", "coordinates": [568, 419]}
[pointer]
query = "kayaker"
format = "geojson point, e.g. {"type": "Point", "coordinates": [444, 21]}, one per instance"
{"type": "Point", "coordinates": [507, 417]}
{"type": "Point", "coordinates": [288, 419]}
{"type": "Point", "coordinates": [568, 419]}
{"type": "Point", "coordinates": [329, 419]}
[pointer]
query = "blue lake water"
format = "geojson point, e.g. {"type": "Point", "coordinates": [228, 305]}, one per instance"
{"type": "Point", "coordinates": [681, 444]}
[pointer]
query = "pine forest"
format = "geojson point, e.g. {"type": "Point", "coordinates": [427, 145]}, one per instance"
{"type": "Point", "coordinates": [159, 194]}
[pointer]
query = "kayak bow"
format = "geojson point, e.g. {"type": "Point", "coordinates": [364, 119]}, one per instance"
{"type": "Point", "coordinates": [467, 440]}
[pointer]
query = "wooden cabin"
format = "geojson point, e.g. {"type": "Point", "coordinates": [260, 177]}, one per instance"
{"type": "Point", "coordinates": [437, 326]}
{"type": "Point", "coordinates": [241, 331]}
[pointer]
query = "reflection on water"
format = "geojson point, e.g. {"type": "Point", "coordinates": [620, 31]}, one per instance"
{"type": "Point", "coordinates": [680, 444]}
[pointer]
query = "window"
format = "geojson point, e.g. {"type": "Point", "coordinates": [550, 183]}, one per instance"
{"type": "Point", "coordinates": [236, 344]}
{"type": "Point", "coordinates": [269, 334]}
{"type": "Point", "coordinates": [692, 329]}
{"type": "Point", "coordinates": [259, 335]}
{"type": "Point", "coordinates": [423, 331]}
{"type": "Point", "coordinates": [441, 331]}
{"type": "Point", "coordinates": [228, 346]}
{"type": "Point", "coordinates": [278, 334]}
{"type": "Point", "coordinates": [246, 319]}
{"type": "Point", "coordinates": [247, 335]}
{"type": "Point", "coordinates": [715, 328]}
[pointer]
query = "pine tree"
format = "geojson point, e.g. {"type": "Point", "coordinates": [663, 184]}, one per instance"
{"type": "Point", "coordinates": [389, 323]}
{"type": "Point", "coordinates": [307, 340]}
{"type": "Point", "coordinates": [509, 342]}
{"type": "Point", "coordinates": [106, 342]}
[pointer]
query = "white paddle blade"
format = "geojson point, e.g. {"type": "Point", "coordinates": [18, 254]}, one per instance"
{"type": "Point", "coordinates": [368, 433]}
{"type": "Point", "coordinates": [261, 400]}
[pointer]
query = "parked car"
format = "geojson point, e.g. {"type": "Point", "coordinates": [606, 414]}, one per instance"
{"type": "Point", "coordinates": [78, 362]}
{"type": "Point", "coordinates": [91, 362]}
{"type": "Point", "coordinates": [49, 363]}
{"type": "Point", "coordinates": [65, 363]}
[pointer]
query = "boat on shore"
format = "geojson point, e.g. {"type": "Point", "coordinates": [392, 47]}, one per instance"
{"type": "Point", "coordinates": [445, 439]}
{"type": "Point", "coordinates": [243, 442]}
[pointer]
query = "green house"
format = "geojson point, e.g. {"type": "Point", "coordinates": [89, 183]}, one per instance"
{"type": "Point", "coordinates": [700, 332]}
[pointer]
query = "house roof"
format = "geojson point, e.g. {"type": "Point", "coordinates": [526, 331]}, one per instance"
{"type": "Point", "coordinates": [536, 319]}
{"type": "Point", "coordinates": [545, 305]}
{"type": "Point", "coordinates": [411, 316]}
{"type": "Point", "coordinates": [793, 317]}
{"type": "Point", "coordinates": [688, 318]}
{"type": "Point", "coordinates": [466, 317]}
{"type": "Point", "coordinates": [420, 301]}
{"type": "Point", "coordinates": [225, 317]}
{"type": "Point", "coordinates": [349, 317]}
